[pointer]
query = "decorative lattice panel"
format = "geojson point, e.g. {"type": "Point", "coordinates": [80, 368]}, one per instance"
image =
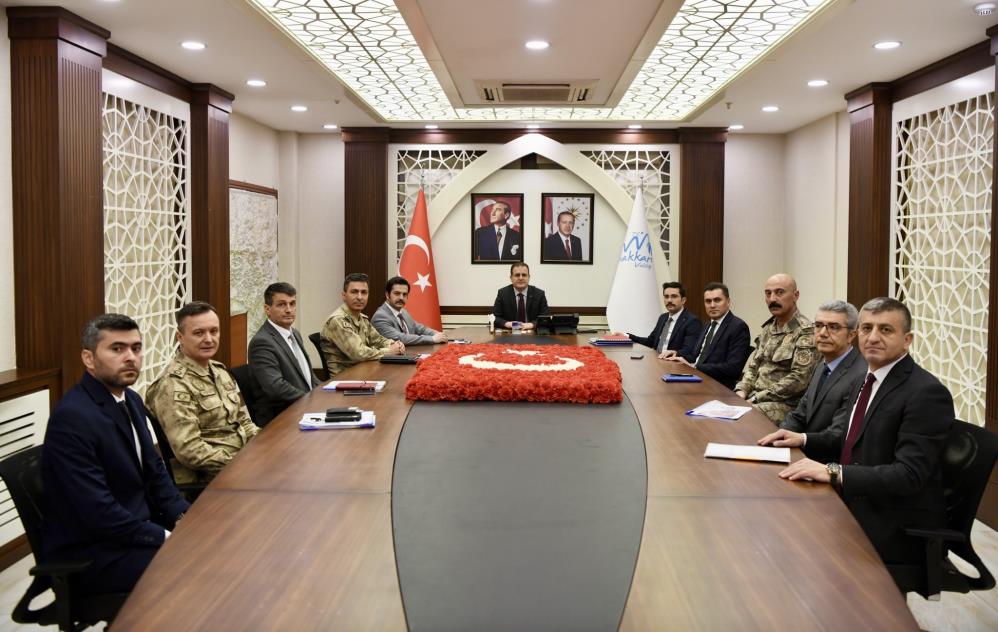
{"type": "Point", "coordinates": [434, 169]}
{"type": "Point", "coordinates": [942, 241]}
{"type": "Point", "coordinates": [252, 253]}
{"type": "Point", "coordinates": [652, 168]}
{"type": "Point", "coordinates": [146, 223]}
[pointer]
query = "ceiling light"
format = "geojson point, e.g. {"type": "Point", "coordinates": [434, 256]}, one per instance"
{"type": "Point", "coordinates": [887, 45]}
{"type": "Point", "coordinates": [299, 108]}
{"type": "Point", "coordinates": [533, 126]}
{"type": "Point", "coordinates": [536, 44]}
{"type": "Point", "coordinates": [431, 126]}
{"type": "Point", "coordinates": [634, 126]}
{"type": "Point", "coordinates": [985, 8]}
{"type": "Point", "coordinates": [817, 83]}
{"type": "Point", "coordinates": [735, 127]}
{"type": "Point", "coordinates": [256, 83]}
{"type": "Point", "coordinates": [770, 108]}
{"type": "Point", "coordinates": [192, 45]}
{"type": "Point", "coordinates": [330, 126]}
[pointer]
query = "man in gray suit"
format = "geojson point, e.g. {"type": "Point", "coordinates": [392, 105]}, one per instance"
{"type": "Point", "coordinates": [277, 354]}
{"type": "Point", "coordinates": [833, 380]}
{"type": "Point", "coordinates": [393, 322]}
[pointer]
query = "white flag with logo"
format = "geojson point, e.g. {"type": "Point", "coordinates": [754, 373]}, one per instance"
{"type": "Point", "coordinates": [634, 304]}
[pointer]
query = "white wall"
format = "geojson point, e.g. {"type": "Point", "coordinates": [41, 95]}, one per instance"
{"type": "Point", "coordinates": [253, 152]}
{"type": "Point", "coordinates": [7, 355]}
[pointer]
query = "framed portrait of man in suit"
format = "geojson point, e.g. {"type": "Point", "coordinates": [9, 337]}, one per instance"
{"type": "Point", "coordinates": [567, 228]}
{"type": "Point", "coordinates": [496, 228]}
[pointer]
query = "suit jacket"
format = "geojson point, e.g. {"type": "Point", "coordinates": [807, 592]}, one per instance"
{"type": "Point", "coordinates": [728, 351]}
{"type": "Point", "coordinates": [685, 334]}
{"type": "Point", "coordinates": [894, 480]}
{"type": "Point", "coordinates": [100, 502]}
{"type": "Point", "coordinates": [388, 326]}
{"type": "Point", "coordinates": [277, 372]}
{"type": "Point", "coordinates": [487, 249]}
{"type": "Point", "coordinates": [554, 247]}
{"type": "Point", "coordinates": [817, 409]}
{"type": "Point", "coordinates": [505, 306]}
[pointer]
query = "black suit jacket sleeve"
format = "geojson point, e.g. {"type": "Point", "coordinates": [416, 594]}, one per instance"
{"type": "Point", "coordinates": [162, 492]}
{"type": "Point", "coordinates": [542, 304]}
{"type": "Point", "coordinates": [652, 340]}
{"type": "Point", "coordinates": [796, 419]}
{"type": "Point", "coordinates": [690, 333]}
{"type": "Point", "coordinates": [729, 368]}
{"type": "Point", "coordinates": [264, 358]}
{"type": "Point", "coordinates": [499, 310]}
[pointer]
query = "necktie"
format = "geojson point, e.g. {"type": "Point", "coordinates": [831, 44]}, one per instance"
{"type": "Point", "coordinates": [664, 336]}
{"type": "Point", "coordinates": [857, 419]}
{"type": "Point", "coordinates": [302, 360]}
{"type": "Point", "coordinates": [521, 310]}
{"type": "Point", "coordinates": [568, 248]}
{"type": "Point", "coordinates": [405, 329]}
{"type": "Point", "coordinates": [707, 341]}
{"type": "Point", "coordinates": [123, 406]}
{"type": "Point", "coordinates": [821, 380]}
{"type": "Point", "coordinates": [498, 236]}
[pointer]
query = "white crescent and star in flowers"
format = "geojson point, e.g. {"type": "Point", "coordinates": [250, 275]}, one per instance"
{"type": "Point", "coordinates": [563, 364]}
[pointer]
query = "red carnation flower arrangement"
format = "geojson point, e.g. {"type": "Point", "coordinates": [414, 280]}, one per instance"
{"type": "Point", "coordinates": [513, 373]}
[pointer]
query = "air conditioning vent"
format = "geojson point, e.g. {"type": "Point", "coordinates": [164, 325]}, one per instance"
{"type": "Point", "coordinates": [512, 93]}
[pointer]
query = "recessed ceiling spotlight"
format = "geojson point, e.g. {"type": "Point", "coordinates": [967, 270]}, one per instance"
{"type": "Point", "coordinates": [192, 45]}
{"type": "Point", "coordinates": [985, 8]}
{"type": "Point", "coordinates": [634, 126]}
{"type": "Point", "coordinates": [735, 127]}
{"type": "Point", "coordinates": [887, 45]}
{"type": "Point", "coordinates": [330, 126]}
{"type": "Point", "coordinates": [431, 126]}
{"type": "Point", "coordinates": [536, 44]}
{"type": "Point", "coordinates": [817, 83]}
{"type": "Point", "coordinates": [770, 108]}
{"type": "Point", "coordinates": [256, 83]}
{"type": "Point", "coordinates": [533, 126]}
{"type": "Point", "coordinates": [299, 108]}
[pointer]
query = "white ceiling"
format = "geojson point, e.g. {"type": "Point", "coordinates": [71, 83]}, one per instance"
{"type": "Point", "coordinates": [241, 44]}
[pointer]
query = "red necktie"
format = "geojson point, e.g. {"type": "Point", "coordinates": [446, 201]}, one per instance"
{"type": "Point", "coordinates": [521, 311]}
{"type": "Point", "coordinates": [568, 248]}
{"type": "Point", "coordinates": [857, 420]}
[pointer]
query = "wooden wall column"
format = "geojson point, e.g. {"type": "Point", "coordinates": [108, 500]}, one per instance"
{"type": "Point", "coordinates": [57, 184]}
{"type": "Point", "coordinates": [365, 222]}
{"type": "Point", "coordinates": [869, 192]}
{"type": "Point", "coordinates": [701, 213]}
{"type": "Point", "coordinates": [210, 109]}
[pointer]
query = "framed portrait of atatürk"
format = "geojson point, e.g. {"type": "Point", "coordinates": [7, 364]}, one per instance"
{"type": "Point", "coordinates": [567, 228]}
{"type": "Point", "coordinates": [496, 227]}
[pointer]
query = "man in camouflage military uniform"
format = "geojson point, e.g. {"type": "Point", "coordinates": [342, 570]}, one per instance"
{"type": "Point", "coordinates": [778, 372]}
{"type": "Point", "coordinates": [348, 336]}
{"type": "Point", "coordinates": [198, 403]}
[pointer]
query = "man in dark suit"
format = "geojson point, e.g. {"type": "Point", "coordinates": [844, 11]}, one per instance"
{"type": "Point", "coordinates": [723, 346]}
{"type": "Point", "coordinates": [277, 355]}
{"type": "Point", "coordinates": [833, 379]}
{"type": "Point", "coordinates": [519, 302]}
{"type": "Point", "coordinates": [677, 329]}
{"type": "Point", "coordinates": [563, 245]}
{"type": "Point", "coordinates": [889, 448]}
{"type": "Point", "coordinates": [498, 242]}
{"type": "Point", "coordinates": [108, 497]}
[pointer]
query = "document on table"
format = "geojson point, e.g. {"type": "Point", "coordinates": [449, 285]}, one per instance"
{"type": "Point", "coordinates": [317, 421]}
{"type": "Point", "coordinates": [354, 384]}
{"type": "Point", "coordinates": [747, 452]}
{"type": "Point", "coordinates": [719, 410]}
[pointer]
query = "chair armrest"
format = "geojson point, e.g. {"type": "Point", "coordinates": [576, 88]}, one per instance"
{"type": "Point", "coordinates": [947, 535]}
{"type": "Point", "coordinates": [53, 569]}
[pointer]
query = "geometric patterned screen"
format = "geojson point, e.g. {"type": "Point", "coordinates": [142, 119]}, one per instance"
{"type": "Point", "coordinates": [147, 224]}
{"type": "Point", "coordinates": [942, 243]}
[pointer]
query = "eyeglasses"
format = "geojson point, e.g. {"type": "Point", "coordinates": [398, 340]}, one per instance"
{"type": "Point", "coordinates": [833, 328]}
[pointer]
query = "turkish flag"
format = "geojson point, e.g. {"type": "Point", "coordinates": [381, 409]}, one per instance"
{"type": "Point", "coordinates": [416, 265]}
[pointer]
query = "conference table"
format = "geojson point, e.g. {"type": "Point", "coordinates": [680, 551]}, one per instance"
{"type": "Point", "coordinates": [297, 532]}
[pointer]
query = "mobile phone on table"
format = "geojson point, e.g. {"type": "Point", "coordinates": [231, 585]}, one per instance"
{"type": "Point", "coordinates": [637, 356]}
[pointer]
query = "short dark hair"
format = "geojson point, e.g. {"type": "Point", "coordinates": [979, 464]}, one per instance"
{"type": "Point", "coordinates": [518, 264]}
{"type": "Point", "coordinates": [566, 213]}
{"type": "Point", "coordinates": [509, 209]}
{"type": "Point", "coordinates": [193, 308]}
{"type": "Point", "coordinates": [105, 322]}
{"type": "Point", "coordinates": [674, 284]}
{"type": "Point", "coordinates": [888, 304]}
{"type": "Point", "coordinates": [395, 280]}
{"type": "Point", "coordinates": [715, 285]}
{"type": "Point", "coordinates": [278, 288]}
{"type": "Point", "coordinates": [356, 277]}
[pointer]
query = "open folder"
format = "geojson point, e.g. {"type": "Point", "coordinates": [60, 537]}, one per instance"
{"type": "Point", "coordinates": [317, 421]}
{"type": "Point", "coordinates": [747, 452]}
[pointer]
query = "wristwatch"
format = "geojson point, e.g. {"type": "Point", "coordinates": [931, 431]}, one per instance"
{"type": "Point", "coordinates": [833, 473]}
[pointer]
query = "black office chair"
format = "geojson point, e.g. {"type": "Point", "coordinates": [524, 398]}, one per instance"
{"type": "Point", "coordinates": [317, 341]}
{"type": "Point", "coordinates": [191, 491]}
{"type": "Point", "coordinates": [22, 473]}
{"type": "Point", "coordinates": [967, 460]}
{"type": "Point", "coordinates": [250, 389]}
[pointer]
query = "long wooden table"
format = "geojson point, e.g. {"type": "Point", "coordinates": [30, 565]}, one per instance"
{"type": "Point", "coordinates": [296, 533]}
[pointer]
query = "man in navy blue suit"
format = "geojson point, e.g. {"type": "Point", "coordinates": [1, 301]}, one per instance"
{"type": "Point", "coordinates": [723, 346]}
{"type": "Point", "coordinates": [108, 497]}
{"type": "Point", "coordinates": [497, 241]}
{"type": "Point", "coordinates": [677, 329]}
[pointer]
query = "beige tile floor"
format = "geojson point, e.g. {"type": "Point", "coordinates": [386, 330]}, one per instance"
{"type": "Point", "coordinates": [953, 613]}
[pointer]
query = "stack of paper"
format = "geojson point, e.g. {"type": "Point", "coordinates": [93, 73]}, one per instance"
{"type": "Point", "coordinates": [354, 384]}
{"type": "Point", "coordinates": [611, 340]}
{"type": "Point", "coordinates": [718, 410]}
{"type": "Point", "coordinates": [317, 421]}
{"type": "Point", "coordinates": [747, 452]}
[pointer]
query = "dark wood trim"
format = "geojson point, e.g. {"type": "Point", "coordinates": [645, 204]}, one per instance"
{"type": "Point", "coordinates": [960, 64]}
{"type": "Point", "coordinates": [14, 551]}
{"type": "Point", "coordinates": [17, 382]}
{"type": "Point", "coordinates": [872, 93]}
{"type": "Point", "coordinates": [364, 134]}
{"type": "Point", "coordinates": [42, 23]}
{"type": "Point", "coordinates": [485, 310]}
{"type": "Point", "coordinates": [209, 94]}
{"type": "Point", "coordinates": [988, 510]}
{"type": "Point", "coordinates": [254, 188]}
{"type": "Point", "coordinates": [701, 218]}
{"type": "Point", "coordinates": [703, 135]}
{"type": "Point", "coordinates": [578, 135]}
{"type": "Point", "coordinates": [147, 73]}
{"type": "Point", "coordinates": [365, 222]}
